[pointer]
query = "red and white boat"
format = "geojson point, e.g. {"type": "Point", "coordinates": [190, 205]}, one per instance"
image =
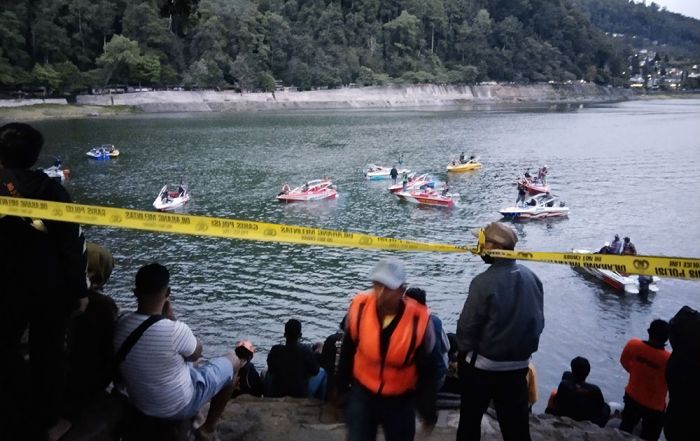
{"type": "Point", "coordinates": [315, 190]}
{"type": "Point", "coordinates": [617, 281]}
{"type": "Point", "coordinates": [427, 197]}
{"type": "Point", "coordinates": [414, 183]}
{"type": "Point", "coordinates": [534, 187]}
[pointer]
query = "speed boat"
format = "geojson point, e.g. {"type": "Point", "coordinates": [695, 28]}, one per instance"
{"type": "Point", "coordinates": [456, 166]}
{"type": "Point", "coordinates": [539, 206]}
{"type": "Point", "coordinates": [428, 197]}
{"type": "Point", "coordinates": [616, 280]}
{"type": "Point", "coordinates": [172, 197]}
{"type": "Point", "coordinates": [57, 173]}
{"type": "Point", "coordinates": [377, 172]}
{"type": "Point", "coordinates": [533, 186]}
{"type": "Point", "coordinates": [315, 190]}
{"type": "Point", "coordinates": [414, 183]}
{"type": "Point", "coordinates": [105, 151]}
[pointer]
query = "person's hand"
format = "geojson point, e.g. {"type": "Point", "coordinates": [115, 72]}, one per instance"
{"type": "Point", "coordinates": [168, 310]}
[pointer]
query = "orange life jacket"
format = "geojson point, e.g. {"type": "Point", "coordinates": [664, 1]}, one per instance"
{"type": "Point", "coordinates": [394, 374]}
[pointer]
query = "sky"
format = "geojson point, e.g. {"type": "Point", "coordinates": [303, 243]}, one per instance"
{"type": "Point", "coordinates": [690, 8]}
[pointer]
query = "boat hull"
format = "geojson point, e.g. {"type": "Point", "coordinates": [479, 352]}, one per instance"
{"type": "Point", "coordinates": [520, 213]}
{"type": "Point", "coordinates": [458, 168]}
{"type": "Point", "coordinates": [613, 279]}
{"type": "Point", "coordinates": [320, 196]}
{"type": "Point", "coordinates": [420, 198]}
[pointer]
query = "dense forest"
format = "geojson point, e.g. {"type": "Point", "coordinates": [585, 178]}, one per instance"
{"type": "Point", "coordinates": [649, 22]}
{"type": "Point", "coordinates": [65, 46]}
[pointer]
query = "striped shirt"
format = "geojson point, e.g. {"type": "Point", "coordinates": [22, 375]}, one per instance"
{"type": "Point", "coordinates": [155, 373]}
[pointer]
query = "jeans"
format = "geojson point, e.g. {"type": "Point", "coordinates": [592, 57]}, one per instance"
{"type": "Point", "coordinates": [365, 411]}
{"type": "Point", "coordinates": [507, 389]}
{"type": "Point", "coordinates": [652, 420]}
{"type": "Point", "coordinates": [317, 385]}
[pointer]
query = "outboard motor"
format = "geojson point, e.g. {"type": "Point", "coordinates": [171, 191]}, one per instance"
{"type": "Point", "coordinates": [644, 282]}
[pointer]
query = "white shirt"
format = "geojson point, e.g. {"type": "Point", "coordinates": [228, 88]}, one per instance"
{"type": "Point", "coordinates": [155, 373]}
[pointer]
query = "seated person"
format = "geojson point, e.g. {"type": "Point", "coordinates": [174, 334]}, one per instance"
{"type": "Point", "coordinates": [577, 399]}
{"type": "Point", "coordinates": [248, 380]}
{"type": "Point", "coordinates": [606, 249]}
{"type": "Point", "coordinates": [154, 352]}
{"type": "Point", "coordinates": [290, 366]}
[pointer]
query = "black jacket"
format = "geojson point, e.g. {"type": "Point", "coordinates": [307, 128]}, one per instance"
{"type": "Point", "coordinates": [47, 263]}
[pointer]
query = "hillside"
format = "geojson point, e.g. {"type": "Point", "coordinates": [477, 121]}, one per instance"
{"type": "Point", "coordinates": [68, 46]}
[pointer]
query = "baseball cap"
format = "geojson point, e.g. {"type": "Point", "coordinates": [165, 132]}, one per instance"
{"type": "Point", "coordinates": [389, 273]}
{"type": "Point", "coordinates": [499, 233]}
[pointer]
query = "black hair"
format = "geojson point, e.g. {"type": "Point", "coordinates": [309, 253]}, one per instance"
{"type": "Point", "coordinates": [416, 294]}
{"type": "Point", "coordinates": [580, 368]}
{"type": "Point", "coordinates": [292, 329]}
{"type": "Point", "coordinates": [343, 322]}
{"type": "Point", "coordinates": [243, 353]}
{"type": "Point", "coordinates": [20, 145]}
{"type": "Point", "coordinates": [659, 330]}
{"type": "Point", "coordinates": [627, 239]}
{"type": "Point", "coordinates": [151, 279]}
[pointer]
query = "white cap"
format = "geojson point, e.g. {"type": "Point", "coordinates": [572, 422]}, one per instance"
{"type": "Point", "coordinates": [389, 273]}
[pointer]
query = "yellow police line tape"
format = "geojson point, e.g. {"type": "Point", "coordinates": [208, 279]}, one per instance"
{"type": "Point", "coordinates": [676, 267]}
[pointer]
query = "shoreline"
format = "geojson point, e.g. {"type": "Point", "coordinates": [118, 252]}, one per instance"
{"type": "Point", "coordinates": [418, 97]}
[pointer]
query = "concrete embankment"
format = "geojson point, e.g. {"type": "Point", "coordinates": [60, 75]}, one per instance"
{"type": "Point", "coordinates": [358, 98]}
{"type": "Point", "coordinates": [32, 102]}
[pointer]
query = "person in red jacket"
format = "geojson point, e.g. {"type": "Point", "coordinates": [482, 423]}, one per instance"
{"type": "Point", "coordinates": [645, 394]}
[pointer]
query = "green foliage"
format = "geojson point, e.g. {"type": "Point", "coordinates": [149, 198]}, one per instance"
{"type": "Point", "coordinates": [68, 45]}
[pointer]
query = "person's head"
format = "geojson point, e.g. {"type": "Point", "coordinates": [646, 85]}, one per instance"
{"type": "Point", "coordinates": [499, 236]}
{"type": "Point", "coordinates": [416, 294]}
{"type": "Point", "coordinates": [20, 145]}
{"type": "Point", "coordinates": [244, 350]}
{"type": "Point", "coordinates": [617, 237]}
{"type": "Point", "coordinates": [388, 280]}
{"type": "Point", "coordinates": [99, 266]}
{"type": "Point", "coordinates": [292, 330]}
{"type": "Point", "coordinates": [580, 368]}
{"type": "Point", "coordinates": [627, 240]}
{"type": "Point", "coordinates": [659, 331]}
{"type": "Point", "coordinates": [152, 283]}
{"type": "Point", "coordinates": [544, 167]}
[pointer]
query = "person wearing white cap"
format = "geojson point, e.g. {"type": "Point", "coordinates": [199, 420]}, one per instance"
{"type": "Point", "coordinates": [606, 249]}
{"type": "Point", "coordinates": [387, 360]}
{"type": "Point", "coordinates": [497, 332]}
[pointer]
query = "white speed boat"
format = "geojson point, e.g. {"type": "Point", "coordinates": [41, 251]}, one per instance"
{"type": "Point", "coordinates": [619, 282]}
{"type": "Point", "coordinates": [539, 206]}
{"type": "Point", "coordinates": [57, 173]}
{"type": "Point", "coordinates": [377, 172]}
{"type": "Point", "coordinates": [170, 198]}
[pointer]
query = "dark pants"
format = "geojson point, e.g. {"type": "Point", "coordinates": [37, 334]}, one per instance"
{"type": "Point", "coordinates": [652, 420]}
{"type": "Point", "coordinates": [31, 394]}
{"type": "Point", "coordinates": [365, 411]}
{"type": "Point", "coordinates": [507, 389]}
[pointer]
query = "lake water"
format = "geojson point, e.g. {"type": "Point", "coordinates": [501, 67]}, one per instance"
{"type": "Point", "coordinates": [631, 168]}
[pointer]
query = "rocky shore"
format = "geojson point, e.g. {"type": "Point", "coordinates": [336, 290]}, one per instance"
{"type": "Point", "coordinates": [289, 419]}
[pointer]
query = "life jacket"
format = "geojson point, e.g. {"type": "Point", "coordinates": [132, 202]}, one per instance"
{"type": "Point", "coordinates": [393, 373]}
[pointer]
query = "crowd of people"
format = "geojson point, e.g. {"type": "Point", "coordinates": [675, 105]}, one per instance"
{"type": "Point", "coordinates": [386, 362]}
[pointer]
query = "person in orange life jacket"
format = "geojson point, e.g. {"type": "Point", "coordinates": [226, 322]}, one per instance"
{"type": "Point", "coordinates": [645, 394]}
{"type": "Point", "coordinates": [43, 272]}
{"type": "Point", "coordinates": [497, 332]}
{"type": "Point", "coordinates": [387, 360]}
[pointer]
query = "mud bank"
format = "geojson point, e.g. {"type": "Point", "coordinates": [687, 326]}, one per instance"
{"type": "Point", "coordinates": [358, 98]}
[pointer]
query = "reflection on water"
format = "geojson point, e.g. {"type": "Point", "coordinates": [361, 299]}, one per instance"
{"type": "Point", "coordinates": [630, 168]}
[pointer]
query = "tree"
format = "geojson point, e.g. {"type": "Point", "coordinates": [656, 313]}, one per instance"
{"type": "Point", "coordinates": [122, 59]}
